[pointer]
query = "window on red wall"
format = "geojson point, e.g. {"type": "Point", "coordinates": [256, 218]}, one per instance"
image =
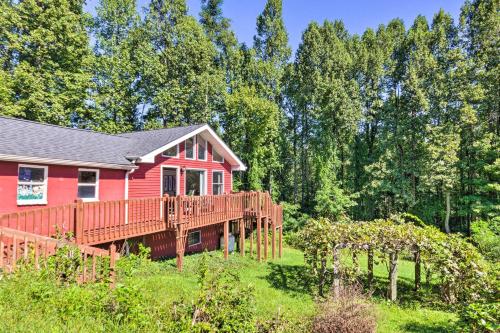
{"type": "Point", "coordinates": [88, 184]}
{"type": "Point", "coordinates": [32, 185]}
{"type": "Point", "coordinates": [189, 144]}
{"type": "Point", "coordinates": [218, 183]}
{"type": "Point", "coordinates": [194, 238]}
{"type": "Point", "coordinates": [202, 148]}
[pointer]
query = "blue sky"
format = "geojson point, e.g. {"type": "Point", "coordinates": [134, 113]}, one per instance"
{"type": "Point", "coordinates": [356, 14]}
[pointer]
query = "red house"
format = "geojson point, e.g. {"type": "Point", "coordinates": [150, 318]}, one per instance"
{"type": "Point", "coordinates": [46, 166]}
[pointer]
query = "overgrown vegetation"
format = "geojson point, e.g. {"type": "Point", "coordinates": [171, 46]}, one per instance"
{"type": "Point", "coordinates": [348, 312]}
{"type": "Point", "coordinates": [464, 279]}
{"type": "Point", "coordinates": [402, 118]}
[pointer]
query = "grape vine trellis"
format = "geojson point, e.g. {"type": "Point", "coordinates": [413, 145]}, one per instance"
{"type": "Point", "coordinates": [462, 273]}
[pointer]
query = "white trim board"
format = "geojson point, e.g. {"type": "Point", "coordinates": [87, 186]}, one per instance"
{"type": "Point", "coordinates": [217, 142]}
{"type": "Point", "coordinates": [55, 161]}
{"type": "Point", "coordinates": [177, 176]}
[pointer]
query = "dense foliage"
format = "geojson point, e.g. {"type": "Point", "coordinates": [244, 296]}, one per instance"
{"type": "Point", "coordinates": [401, 118]}
{"type": "Point", "coordinates": [463, 275]}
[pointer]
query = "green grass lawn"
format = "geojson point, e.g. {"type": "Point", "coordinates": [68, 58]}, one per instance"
{"type": "Point", "coordinates": [282, 285]}
{"type": "Point", "coordinates": [31, 303]}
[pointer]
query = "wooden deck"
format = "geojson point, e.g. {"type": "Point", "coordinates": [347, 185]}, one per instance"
{"type": "Point", "coordinates": [92, 223]}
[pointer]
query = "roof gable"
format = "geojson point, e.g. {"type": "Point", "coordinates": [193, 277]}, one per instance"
{"type": "Point", "coordinates": [206, 131]}
{"type": "Point", "coordinates": [23, 140]}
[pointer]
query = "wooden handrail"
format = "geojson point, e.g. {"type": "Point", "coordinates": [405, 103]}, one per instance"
{"type": "Point", "coordinates": [106, 221]}
{"type": "Point", "coordinates": [19, 246]}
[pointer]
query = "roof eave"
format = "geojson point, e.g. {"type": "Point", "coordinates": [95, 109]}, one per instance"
{"type": "Point", "coordinates": [150, 157]}
{"type": "Point", "coordinates": [55, 161]}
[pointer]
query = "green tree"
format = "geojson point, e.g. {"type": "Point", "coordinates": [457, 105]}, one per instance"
{"type": "Point", "coordinates": [181, 82]}
{"type": "Point", "coordinates": [46, 57]}
{"type": "Point", "coordinates": [116, 71]}
{"type": "Point", "coordinates": [251, 127]}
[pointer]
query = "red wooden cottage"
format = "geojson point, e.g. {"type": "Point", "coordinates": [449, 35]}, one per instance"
{"type": "Point", "coordinates": [44, 166]}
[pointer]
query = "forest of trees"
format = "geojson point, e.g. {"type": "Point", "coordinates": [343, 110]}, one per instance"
{"type": "Point", "coordinates": [399, 119]}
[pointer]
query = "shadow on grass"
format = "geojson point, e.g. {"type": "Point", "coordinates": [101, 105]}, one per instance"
{"type": "Point", "coordinates": [427, 295]}
{"type": "Point", "coordinates": [415, 327]}
{"type": "Point", "coordinates": [290, 278]}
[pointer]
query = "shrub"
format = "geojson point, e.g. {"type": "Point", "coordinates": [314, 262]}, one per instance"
{"type": "Point", "coordinates": [293, 218]}
{"type": "Point", "coordinates": [349, 313]}
{"type": "Point", "coordinates": [222, 304]}
{"type": "Point", "coordinates": [486, 238]}
{"type": "Point", "coordinates": [480, 317]}
{"type": "Point", "coordinates": [294, 240]}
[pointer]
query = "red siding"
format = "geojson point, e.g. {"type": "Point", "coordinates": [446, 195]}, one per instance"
{"type": "Point", "coordinates": [146, 181]}
{"type": "Point", "coordinates": [62, 186]}
{"type": "Point", "coordinates": [163, 244]}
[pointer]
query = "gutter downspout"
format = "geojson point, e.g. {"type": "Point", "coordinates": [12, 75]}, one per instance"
{"type": "Point", "coordinates": [127, 174]}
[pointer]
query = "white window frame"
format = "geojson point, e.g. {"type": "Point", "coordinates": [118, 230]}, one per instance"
{"type": "Point", "coordinates": [177, 175]}
{"type": "Point", "coordinates": [176, 152]}
{"type": "Point", "coordinates": [194, 232]}
{"type": "Point", "coordinates": [205, 183]}
{"type": "Point", "coordinates": [213, 160]}
{"type": "Point", "coordinates": [96, 185]}
{"type": "Point", "coordinates": [195, 152]}
{"type": "Point", "coordinates": [198, 150]}
{"type": "Point", "coordinates": [222, 172]}
{"type": "Point", "coordinates": [42, 201]}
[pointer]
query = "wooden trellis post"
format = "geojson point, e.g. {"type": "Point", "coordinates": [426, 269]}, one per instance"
{"type": "Point", "coordinates": [370, 266]}
{"type": "Point", "coordinates": [418, 268]}
{"type": "Point", "coordinates": [336, 272]}
{"type": "Point", "coordinates": [393, 276]}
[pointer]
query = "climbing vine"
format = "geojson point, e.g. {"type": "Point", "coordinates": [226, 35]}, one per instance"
{"type": "Point", "coordinates": [462, 273]}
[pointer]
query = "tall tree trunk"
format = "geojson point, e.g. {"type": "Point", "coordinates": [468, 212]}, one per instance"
{"type": "Point", "coordinates": [448, 209]}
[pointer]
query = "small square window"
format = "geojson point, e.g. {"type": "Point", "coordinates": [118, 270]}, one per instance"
{"type": "Point", "coordinates": [194, 238]}
{"type": "Point", "coordinates": [32, 185]}
{"type": "Point", "coordinates": [170, 152]}
{"type": "Point", "coordinates": [88, 184]}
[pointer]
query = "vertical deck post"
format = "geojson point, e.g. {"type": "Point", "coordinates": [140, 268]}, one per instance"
{"type": "Point", "coordinates": [112, 259]}
{"type": "Point", "coordinates": [242, 237]}
{"type": "Point", "coordinates": [259, 228]}
{"type": "Point", "coordinates": [273, 240]}
{"type": "Point", "coordinates": [79, 221]}
{"type": "Point", "coordinates": [251, 237]}
{"type": "Point", "coordinates": [280, 252]}
{"type": "Point", "coordinates": [266, 237]}
{"type": "Point", "coordinates": [226, 239]}
{"type": "Point", "coordinates": [179, 234]}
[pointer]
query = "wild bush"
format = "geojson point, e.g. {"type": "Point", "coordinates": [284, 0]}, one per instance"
{"type": "Point", "coordinates": [222, 304]}
{"type": "Point", "coordinates": [486, 236]}
{"type": "Point", "coordinates": [350, 312]}
{"type": "Point", "coordinates": [481, 317]}
{"type": "Point", "coordinates": [293, 218]}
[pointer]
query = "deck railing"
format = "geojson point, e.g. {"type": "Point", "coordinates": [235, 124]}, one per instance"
{"type": "Point", "coordinates": [106, 221]}
{"type": "Point", "coordinates": [20, 247]}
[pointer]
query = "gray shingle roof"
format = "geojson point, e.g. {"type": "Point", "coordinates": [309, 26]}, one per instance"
{"type": "Point", "coordinates": [27, 138]}
{"type": "Point", "coordinates": [147, 141]}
